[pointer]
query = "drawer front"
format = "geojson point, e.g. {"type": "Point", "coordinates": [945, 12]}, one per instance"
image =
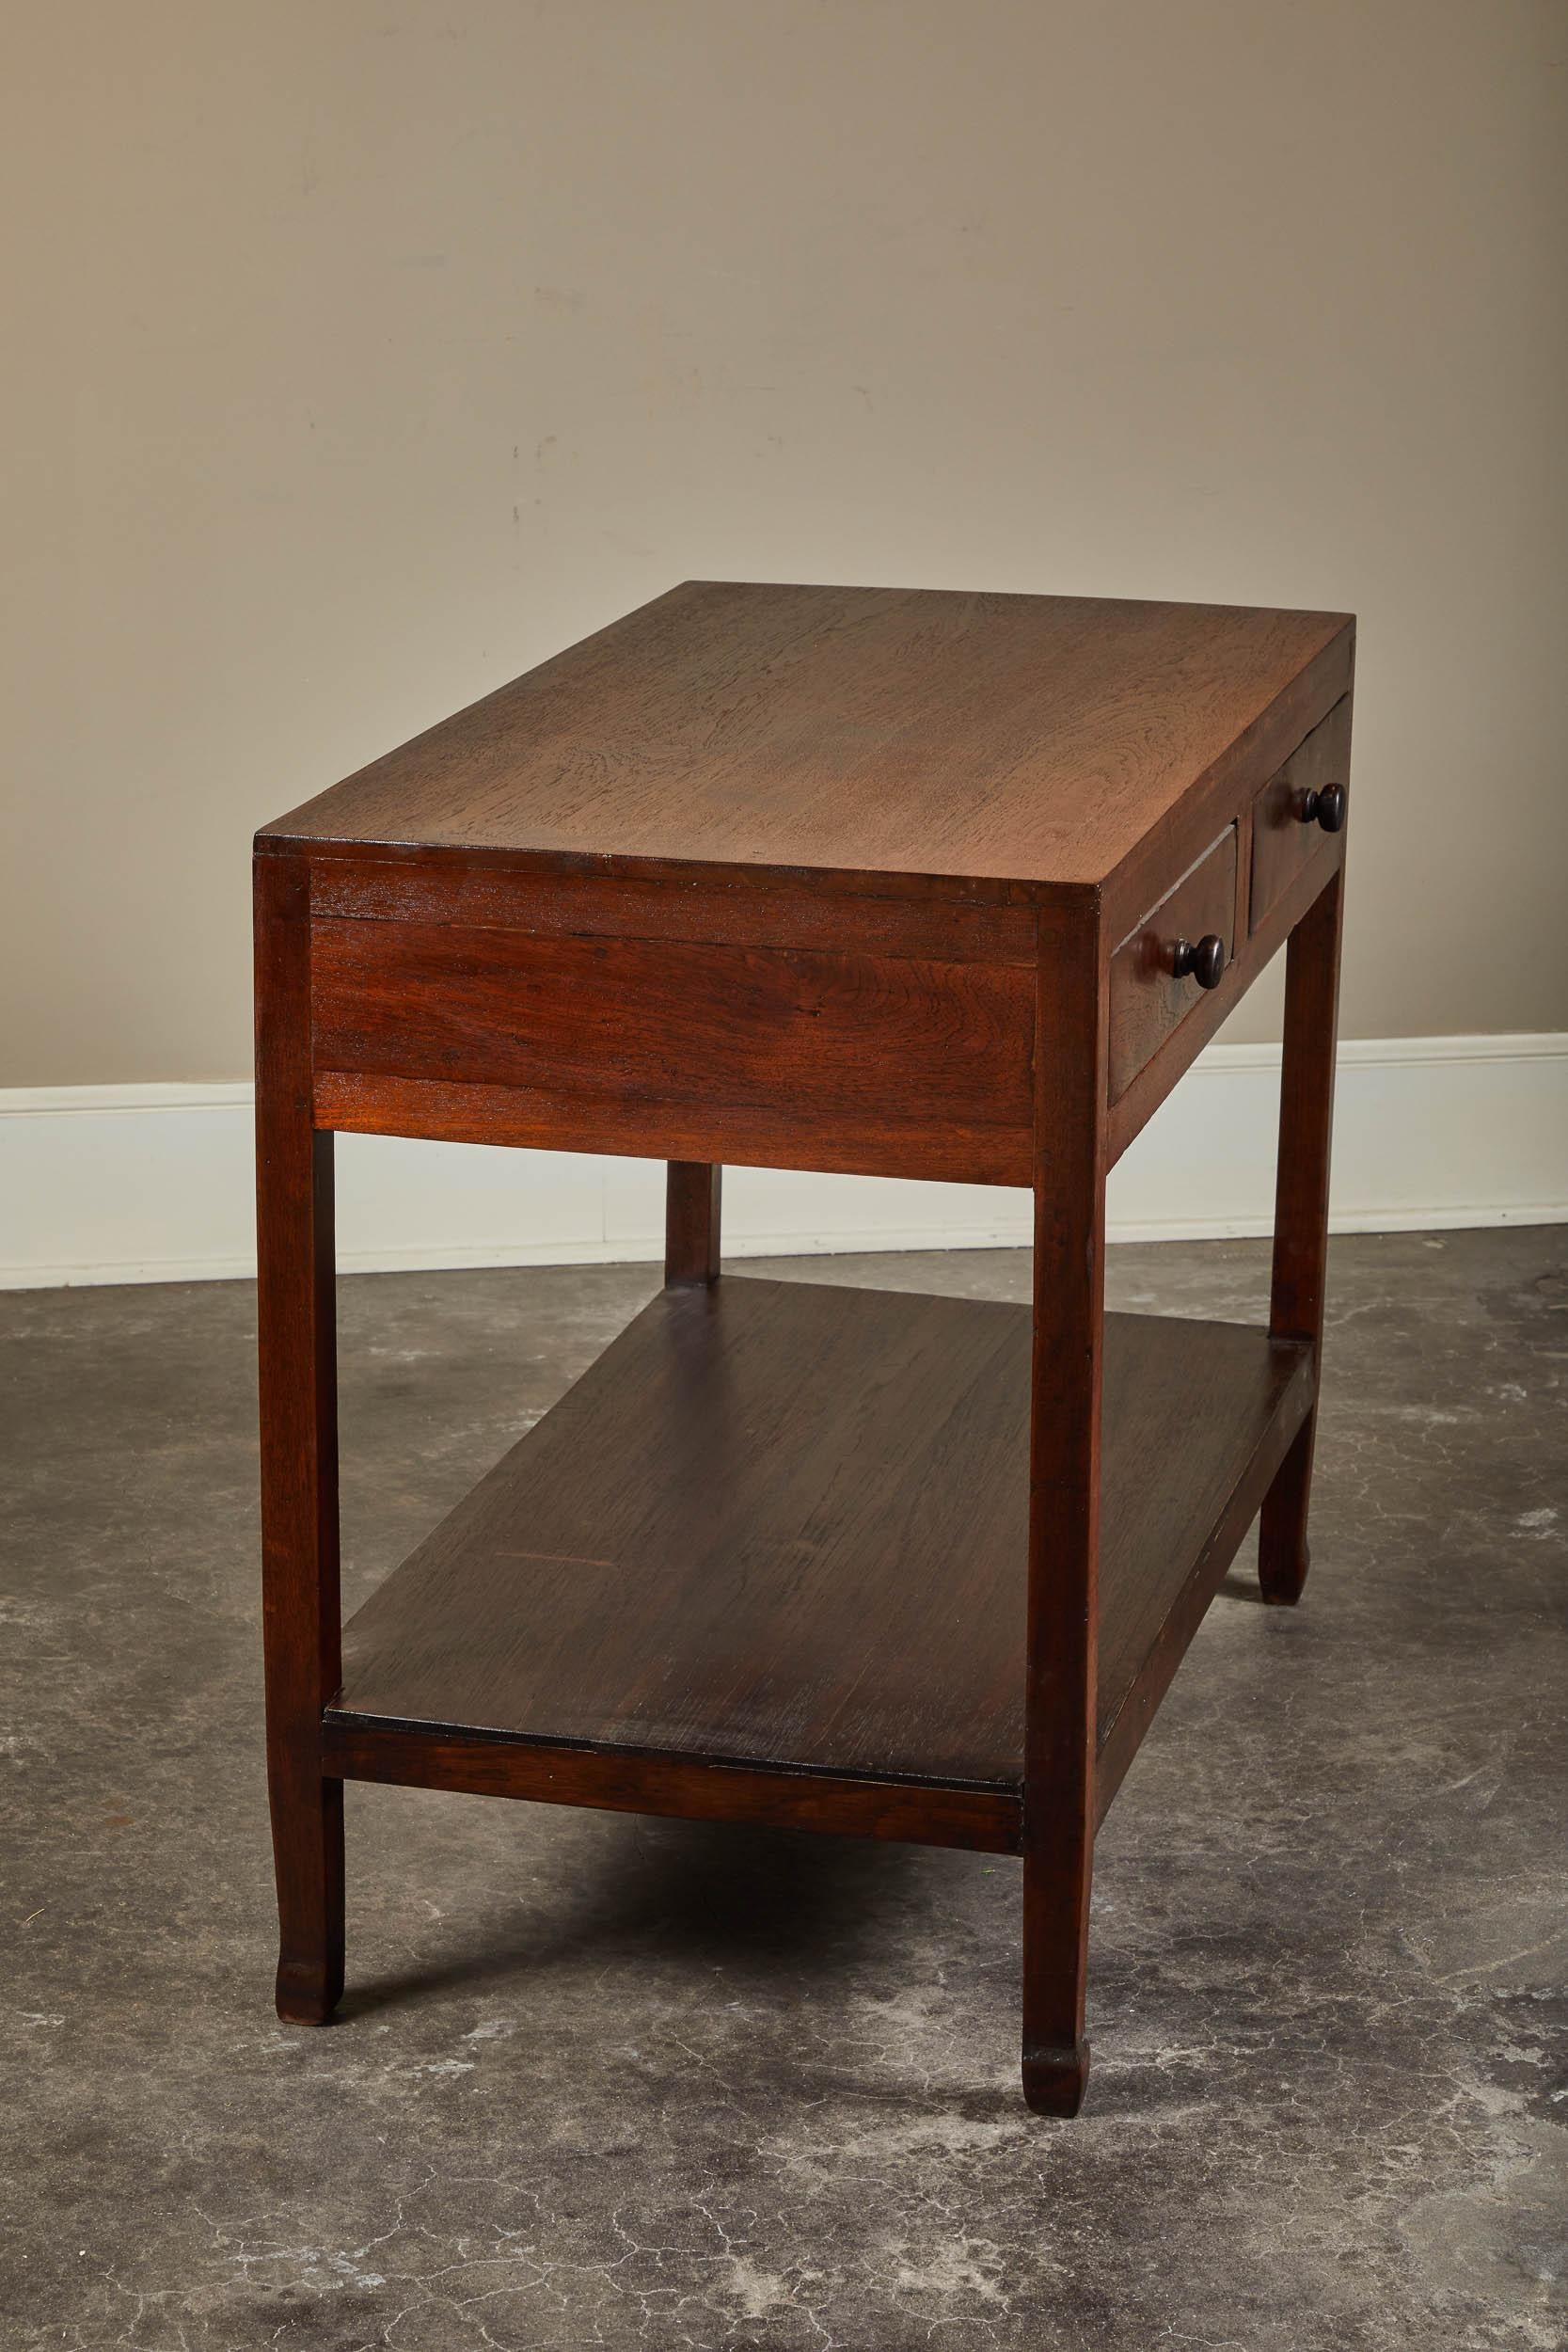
{"type": "Point", "coordinates": [676, 1049]}
{"type": "Point", "coordinates": [1284, 839]}
{"type": "Point", "coordinates": [1149, 1000]}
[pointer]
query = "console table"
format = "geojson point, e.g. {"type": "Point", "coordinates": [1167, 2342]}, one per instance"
{"type": "Point", "coordinates": [885, 881]}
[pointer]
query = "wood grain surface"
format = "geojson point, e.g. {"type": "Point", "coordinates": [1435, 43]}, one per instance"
{"type": "Point", "coordinates": [1282, 845]}
{"type": "Point", "coordinates": [693, 1214]}
{"type": "Point", "coordinates": [296, 1334]}
{"type": "Point", "coordinates": [924, 738]}
{"type": "Point", "coordinates": [742, 910]}
{"type": "Point", "coordinates": [787, 1524]}
{"type": "Point", "coordinates": [625, 1780]}
{"type": "Point", "coordinates": [1070, 1460]}
{"type": "Point", "coordinates": [1147, 1089]}
{"type": "Point", "coordinates": [1147, 1001]}
{"type": "Point", "coordinates": [1300, 1280]}
{"type": "Point", "coordinates": [757, 1135]}
{"type": "Point", "coordinates": [846, 1048]}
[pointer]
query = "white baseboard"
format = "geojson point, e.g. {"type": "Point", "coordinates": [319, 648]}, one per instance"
{"type": "Point", "coordinates": [153, 1184]}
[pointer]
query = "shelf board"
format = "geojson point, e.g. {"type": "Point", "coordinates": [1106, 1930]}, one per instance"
{"type": "Point", "coordinates": [781, 1528]}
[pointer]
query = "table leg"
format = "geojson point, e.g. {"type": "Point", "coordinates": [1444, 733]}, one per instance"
{"type": "Point", "coordinates": [299, 1454]}
{"type": "Point", "coordinates": [1064, 1524]}
{"type": "Point", "coordinates": [1301, 1213]}
{"type": "Point", "coordinates": [691, 1203]}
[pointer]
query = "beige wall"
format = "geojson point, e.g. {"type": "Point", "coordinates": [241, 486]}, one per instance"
{"type": "Point", "coordinates": [362, 352]}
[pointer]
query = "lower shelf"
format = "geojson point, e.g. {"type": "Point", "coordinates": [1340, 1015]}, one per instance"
{"type": "Point", "coordinates": [768, 1559]}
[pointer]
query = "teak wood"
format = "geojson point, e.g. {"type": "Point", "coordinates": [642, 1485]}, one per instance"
{"type": "Point", "coordinates": [890, 881]}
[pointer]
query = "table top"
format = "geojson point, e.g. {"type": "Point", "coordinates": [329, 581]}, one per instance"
{"type": "Point", "coordinates": [962, 740]}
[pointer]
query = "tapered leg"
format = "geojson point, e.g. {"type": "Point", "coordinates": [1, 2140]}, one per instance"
{"type": "Point", "coordinates": [299, 1455]}
{"type": "Point", "coordinates": [1301, 1214]}
{"type": "Point", "coordinates": [692, 1206]}
{"type": "Point", "coordinates": [1059, 1745]}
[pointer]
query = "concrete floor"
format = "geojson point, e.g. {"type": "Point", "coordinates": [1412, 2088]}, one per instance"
{"type": "Point", "coordinates": [602, 2082]}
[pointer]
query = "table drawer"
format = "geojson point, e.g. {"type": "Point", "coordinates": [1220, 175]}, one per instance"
{"type": "Point", "coordinates": [1295, 814]}
{"type": "Point", "coordinates": [1151, 994]}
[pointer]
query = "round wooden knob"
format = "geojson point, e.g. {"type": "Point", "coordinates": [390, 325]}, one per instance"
{"type": "Point", "coordinates": [1202, 960]}
{"type": "Point", "coordinates": [1325, 808]}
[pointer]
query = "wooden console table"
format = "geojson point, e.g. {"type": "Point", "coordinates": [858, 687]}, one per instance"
{"type": "Point", "coordinates": [894, 882]}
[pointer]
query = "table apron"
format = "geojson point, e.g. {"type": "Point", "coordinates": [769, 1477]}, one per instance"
{"type": "Point", "coordinates": [681, 1049]}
